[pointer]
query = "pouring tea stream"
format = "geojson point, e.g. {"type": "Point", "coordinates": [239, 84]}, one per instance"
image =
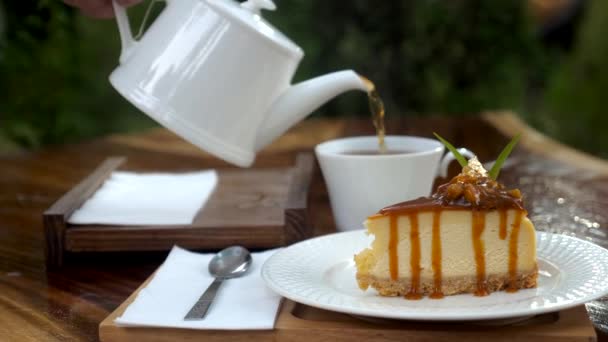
{"type": "Point", "coordinates": [216, 73]}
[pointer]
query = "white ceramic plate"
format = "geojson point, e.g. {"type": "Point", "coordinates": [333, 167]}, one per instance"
{"type": "Point", "coordinates": [320, 272]}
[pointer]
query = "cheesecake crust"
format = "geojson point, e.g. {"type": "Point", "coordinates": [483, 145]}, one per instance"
{"type": "Point", "coordinates": [449, 286]}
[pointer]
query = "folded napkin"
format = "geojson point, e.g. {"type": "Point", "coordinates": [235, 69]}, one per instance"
{"type": "Point", "coordinates": [128, 198]}
{"type": "Point", "coordinates": [241, 303]}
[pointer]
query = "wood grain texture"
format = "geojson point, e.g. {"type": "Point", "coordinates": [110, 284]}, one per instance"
{"type": "Point", "coordinates": [56, 216]}
{"type": "Point", "coordinates": [297, 322]}
{"type": "Point", "coordinates": [297, 223]}
{"type": "Point", "coordinates": [255, 208]}
{"type": "Point", "coordinates": [534, 141]}
{"type": "Point", "coordinates": [68, 304]}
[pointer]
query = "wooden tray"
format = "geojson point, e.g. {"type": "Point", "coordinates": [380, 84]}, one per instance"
{"type": "Point", "coordinates": [298, 322]}
{"type": "Point", "coordinates": [256, 208]}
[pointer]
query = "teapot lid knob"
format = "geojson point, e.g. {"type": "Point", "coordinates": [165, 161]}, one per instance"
{"type": "Point", "coordinates": [256, 5]}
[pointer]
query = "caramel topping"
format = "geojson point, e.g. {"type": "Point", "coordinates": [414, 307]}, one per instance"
{"type": "Point", "coordinates": [454, 191]}
{"type": "Point", "coordinates": [436, 257]}
{"type": "Point", "coordinates": [502, 232]}
{"type": "Point", "coordinates": [513, 242]}
{"type": "Point", "coordinates": [478, 193]}
{"type": "Point", "coordinates": [479, 224]}
{"type": "Point", "coordinates": [471, 189]}
{"type": "Point", "coordinates": [392, 249]}
{"type": "Point", "coordinates": [414, 258]}
{"type": "Point", "coordinates": [515, 193]}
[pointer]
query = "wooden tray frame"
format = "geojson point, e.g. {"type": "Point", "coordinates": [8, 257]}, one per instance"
{"type": "Point", "coordinates": [62, 237]}
{"type": "Point", "coordinates": [301, 323]}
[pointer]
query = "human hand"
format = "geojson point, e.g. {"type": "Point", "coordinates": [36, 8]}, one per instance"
{"type": "Point", "coordinates": [99, 8]}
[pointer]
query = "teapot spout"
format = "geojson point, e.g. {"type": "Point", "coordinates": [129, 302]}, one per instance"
{"type": "Point", "coordinates": [299, 100]}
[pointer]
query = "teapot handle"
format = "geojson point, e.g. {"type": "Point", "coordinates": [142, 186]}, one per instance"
{"type": "Point", "coordinates": [127, 41]}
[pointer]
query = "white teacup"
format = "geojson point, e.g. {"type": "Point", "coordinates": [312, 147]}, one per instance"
{"type": "Point", "coordinates": [361, 184]}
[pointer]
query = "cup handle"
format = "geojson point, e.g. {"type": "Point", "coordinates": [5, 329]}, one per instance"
{"type": "Point", "coordinates": [449, 158]}
{"type": "Point", "coordinates": [127, 42]}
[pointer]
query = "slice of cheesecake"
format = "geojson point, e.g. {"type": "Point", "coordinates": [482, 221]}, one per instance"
{"type": "Point", "coordinates": [472, 235]}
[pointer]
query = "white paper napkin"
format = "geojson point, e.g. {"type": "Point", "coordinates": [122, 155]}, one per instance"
{"type": "Point", "coordinates": [241, 303]}
{"type": "Point", "coordinates": [128, 198]}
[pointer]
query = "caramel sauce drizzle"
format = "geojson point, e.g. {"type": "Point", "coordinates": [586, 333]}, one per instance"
{"type": "Point", "coordinates": [469, 191]}
{"type": "Point", "coordinates": [472, 196]}
{"type": "Point", "coordinates": [513, 252]}
{"type": "Point", "coordinates": [479, 223]}
{"type": "Point", "coordinates": [478, 227]}
{"type": "Point", "coordinates": [414, 258]}
{"type": "Point", "coordinates": [392, 248]}
{"type": "Point", "coordinates": [502, 234]}
{"type": "Point", "coordinates": [436, 256]}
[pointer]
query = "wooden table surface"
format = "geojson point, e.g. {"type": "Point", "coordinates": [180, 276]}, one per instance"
{"type": "Point", "coordinates": [566, 191]}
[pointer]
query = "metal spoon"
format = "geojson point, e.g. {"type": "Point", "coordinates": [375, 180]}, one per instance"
{"type": "Point", "coordinates": [228, 263]}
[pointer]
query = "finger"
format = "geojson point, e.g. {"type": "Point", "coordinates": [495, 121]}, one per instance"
{"type": "Point", "coordinates": [103, 12]}
{"type": "Point", "coordinates": [89, 4]}
{"type": "Point", "coordinates": [92, 8]}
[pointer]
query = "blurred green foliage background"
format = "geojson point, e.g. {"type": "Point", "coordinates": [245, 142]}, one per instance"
{"type": "Point", "coordinates": [427, 57]}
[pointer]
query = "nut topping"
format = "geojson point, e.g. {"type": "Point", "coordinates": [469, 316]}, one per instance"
{"type": "Point", "coordinates": [471, 194]}
{"type": "Point", "coordinates": [454, 191]}
{"type": "Point", "coordinates": [473, 187]}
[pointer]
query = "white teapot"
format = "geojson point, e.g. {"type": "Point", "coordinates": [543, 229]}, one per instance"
{"type": "Point", "coordinates": [219, 75]}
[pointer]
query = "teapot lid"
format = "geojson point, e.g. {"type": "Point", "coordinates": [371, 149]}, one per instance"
{"type": "Point", "coordinates": [248, 13]}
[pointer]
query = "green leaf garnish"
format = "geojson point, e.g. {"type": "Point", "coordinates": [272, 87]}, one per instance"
{"type": "Point", "coordinates": [461, 160]}
{"type": "Point", "coordinates": [502, 157]}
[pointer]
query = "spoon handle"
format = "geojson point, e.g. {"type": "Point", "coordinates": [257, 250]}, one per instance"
{"type": "Point", "coordinates": [199, 309]}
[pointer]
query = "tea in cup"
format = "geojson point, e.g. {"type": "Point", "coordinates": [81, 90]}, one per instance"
{"type": "Point", "coordinates": [362, 180]}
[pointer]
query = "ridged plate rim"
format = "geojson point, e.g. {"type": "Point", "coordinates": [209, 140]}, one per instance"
{"type": "Point", "coordinates": [296, 272]}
